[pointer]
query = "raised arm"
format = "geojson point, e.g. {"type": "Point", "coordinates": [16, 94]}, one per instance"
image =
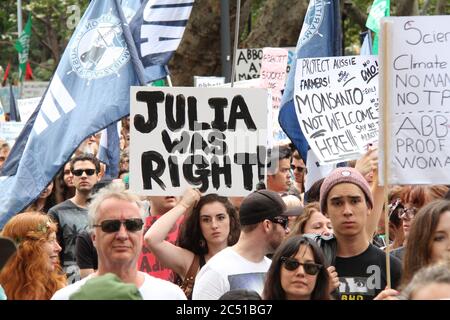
{"type": "Point", "coordinates": [367, 163]}
{"type": "Point", "coordinates": [176, 258]}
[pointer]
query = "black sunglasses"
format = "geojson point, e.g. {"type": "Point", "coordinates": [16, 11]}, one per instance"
{"type": "Point", "coordinates": [79, 172]}
{"type": "Point", "coordinates": [284, 221]}
{"type": "Point", "coordinates": [110, 226]}
{"type": "Point", "coordinates": [299, 169]}
{"type": "Point", "coordinates": [292, 264]}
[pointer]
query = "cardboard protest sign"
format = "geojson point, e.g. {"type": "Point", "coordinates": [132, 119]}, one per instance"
{"type": "Point", "coordinates": [210, 138]}
{"type": "Point", "coordinates": [26, 107]}
{"type": "Point", "coordinates": [273, 72]}
{"type": "Point", "coordinates": [336, 102]}
{"type": "Point", "coordinates": [207, 82]}
{"type": "Point", "coordinates": [248, 62]}
{"type": "Point", "coordinates": [415, 91]}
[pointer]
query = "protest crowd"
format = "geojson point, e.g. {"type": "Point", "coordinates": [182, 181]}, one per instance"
{"type": "Point", "coordinates": [330, 196]}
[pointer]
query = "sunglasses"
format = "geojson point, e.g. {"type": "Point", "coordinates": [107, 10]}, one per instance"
{"type": "Point", "coordinates": [407, 213]}
{"type": "Point", "coordinates": [283, 221]}
{"type": "Point", "coordinates": [79, 172]}
{"type": "Point", "coordinates": [299, 169]}
{"type": "Point", "coordinates": [110, 226]}
{"type": "Point", "coordinates": [292, 264]}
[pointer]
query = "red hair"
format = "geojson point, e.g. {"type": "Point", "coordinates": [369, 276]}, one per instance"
{"type": "Point", "coordinates": [26, 275]}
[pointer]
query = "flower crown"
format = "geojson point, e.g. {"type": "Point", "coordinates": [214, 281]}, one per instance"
{"type": "Point", "coordinates": [41, 228]}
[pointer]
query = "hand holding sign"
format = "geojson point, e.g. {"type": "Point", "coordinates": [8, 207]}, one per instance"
{"type": "Point", "coordinates": [190, 198]}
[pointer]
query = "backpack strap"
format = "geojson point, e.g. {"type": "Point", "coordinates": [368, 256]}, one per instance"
{"type": "Point", "coordinates": [328, 245]}
{"type": "Point", "coordinates": [189, 278]}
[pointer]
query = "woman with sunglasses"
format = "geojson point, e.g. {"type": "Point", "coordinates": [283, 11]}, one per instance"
{"type": "Point", "coordinates": [210, 227]}
{"type": "Point", "coordinates": [297, 272]}
{"type": "Point", "coordinates": [33, 272]}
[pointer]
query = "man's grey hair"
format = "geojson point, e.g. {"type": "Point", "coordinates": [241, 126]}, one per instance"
{"type": "Point", "coordinates": [114, 190]}
{"type": "Point", "coordinates": [436, 273]}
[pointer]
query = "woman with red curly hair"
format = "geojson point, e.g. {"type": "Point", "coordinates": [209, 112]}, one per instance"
{"type": "Point", "coordinates": [33, 272]}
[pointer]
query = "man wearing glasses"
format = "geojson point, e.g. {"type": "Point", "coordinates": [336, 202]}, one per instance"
{"type": "Point", "coordinates": [116, 217]}
{"type": "Point", "coordinates": [264, 225]}
{"type": "Point", "coordinates": [71, 215]}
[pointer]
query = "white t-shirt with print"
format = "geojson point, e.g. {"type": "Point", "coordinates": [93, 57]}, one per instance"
{"type": "Point", "coordinates": [152, 289]}
{"type": "Point", "coordinates": [227, 270]}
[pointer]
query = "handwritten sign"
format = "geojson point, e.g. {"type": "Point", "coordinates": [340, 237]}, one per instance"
{"type": "Point", "coordinates": [273, 72]}
{"type": "Point", "coordinates": [207, 82]}
{"type": "Point", "coordinates": [336, 102]}
{"type": "Point", "coordinates": [211, 138]}
{"type": "Point", "coordinates": [26, 107]}
{"type": "Point", "coordinates": [417, 91]}
{"type": "Point", "coordinates": [248, 63]}
{"type": "Point", "coordinates": [33, 89]}
{"type": "Point", "coordinates": [9, 131]}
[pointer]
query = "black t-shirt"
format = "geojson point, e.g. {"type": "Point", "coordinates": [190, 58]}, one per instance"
{"type": "Point", "coordinates": [86, 254]}
{"type": "Point", "coordinates": [363, 277]}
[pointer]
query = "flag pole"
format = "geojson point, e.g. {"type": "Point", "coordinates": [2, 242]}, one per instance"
{"type": "Point", "coordinates": [384, 57]}
{"type": "Point", "coordinates": [236, 39]}
{"type": "Point", "coordinates": [19, 33]}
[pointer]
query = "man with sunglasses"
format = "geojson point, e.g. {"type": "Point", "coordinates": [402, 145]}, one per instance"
{"type": "Point", "coordinates": [116, 219]}
{"type": "Point", "coordinates": [264, 225]}
{"type": "Point", "coordinates": [71, 215]}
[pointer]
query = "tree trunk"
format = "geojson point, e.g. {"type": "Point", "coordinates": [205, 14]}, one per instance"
{"type": "Point", "coordinates": [441, 7]}
{"type": "Point", "coordinates": [278, 24]}
{"type": "Point", "coordinates": [199, 51]}
{"type": "Point", "coordinates": [407, 8]}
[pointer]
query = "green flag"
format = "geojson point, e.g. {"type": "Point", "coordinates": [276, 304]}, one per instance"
{"type": "Point", "coordinates": [378, 10]}
{"type": "Point", "coordinates": [23, 47]}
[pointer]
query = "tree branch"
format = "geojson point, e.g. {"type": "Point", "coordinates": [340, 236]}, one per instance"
{"type": "Point", "coordinates": [424, 9]}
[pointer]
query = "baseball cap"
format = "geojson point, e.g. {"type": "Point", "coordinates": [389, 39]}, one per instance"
{"type": "Point", "coordinates": [260, 205]}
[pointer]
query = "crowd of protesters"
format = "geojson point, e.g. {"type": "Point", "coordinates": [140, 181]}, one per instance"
{"type": "Point", "coordinates": [281, 242]}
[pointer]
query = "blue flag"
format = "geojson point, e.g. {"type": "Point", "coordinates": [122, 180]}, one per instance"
{"type": "Point", "coordinates": [320, 37]}
{"type": "Point", "coordinates": [89, 90]}
{"type": "Point", "coordinates": [109, 150]}
{"type": "Point", "coordinates": [157, 29]}
{"type": "Point", "coordinates": [13, 112]}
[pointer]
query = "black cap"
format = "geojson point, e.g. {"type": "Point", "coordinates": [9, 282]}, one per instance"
{"type": "Point", "coordinates": [261, 205]}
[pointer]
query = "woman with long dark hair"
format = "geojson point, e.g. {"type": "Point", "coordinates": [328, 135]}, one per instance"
{"type": "Point", "coordinates": [298, 272]}
{"type": "Point", "coordinates": [211, 226]}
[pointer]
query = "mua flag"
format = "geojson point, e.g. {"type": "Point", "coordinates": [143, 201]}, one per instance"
{"type": "Point", "coordinates": [89, 90]}
{"type": "Point", "coordinates": [320, 37]}
{"type": "Point", "coordinates": [109, 150]}
{"type": "Point", "coordinates": [157, 29]}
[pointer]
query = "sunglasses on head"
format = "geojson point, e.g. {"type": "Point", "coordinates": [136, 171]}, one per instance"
{"type": "Point", "coordinates": [283, 221]}
{"type": "Point", "coordinates": [110, 226]}
{"type": "Point", "coordinates": [292, 264]}
{"type": "Point", "coordinates": [79, 172]}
